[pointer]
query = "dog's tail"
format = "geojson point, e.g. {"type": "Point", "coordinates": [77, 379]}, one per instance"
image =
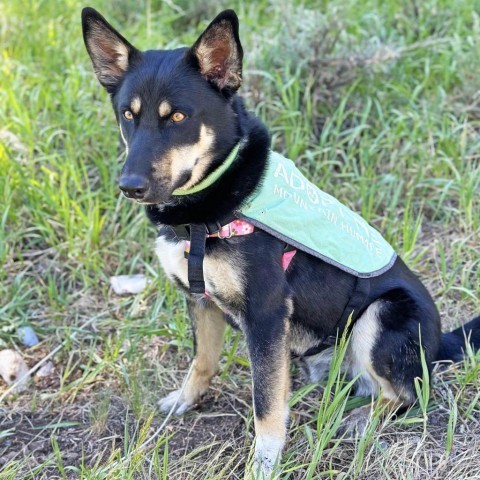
{"type": "Point", "coordinates": [453, 344]}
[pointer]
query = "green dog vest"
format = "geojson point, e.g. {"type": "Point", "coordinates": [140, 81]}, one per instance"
{"type": "Point", "coordinates": [291, 208]}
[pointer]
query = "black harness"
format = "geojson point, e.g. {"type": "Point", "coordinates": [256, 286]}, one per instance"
{"type": "Point", "coordinates": [196, 234]}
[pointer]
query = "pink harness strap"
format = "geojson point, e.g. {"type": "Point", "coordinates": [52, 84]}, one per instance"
{"type": "Point", "coordinates": [287, 258]}
{"type": "Point", "coordinates": [233, 229]}
{"type": "Point", "coordinates": [242, 227]}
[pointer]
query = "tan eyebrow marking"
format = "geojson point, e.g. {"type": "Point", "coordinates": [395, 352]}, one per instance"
{"type": "Point", "coordinates": [164, 109]}
{"type": "Point", "coordinates": [135, 105]}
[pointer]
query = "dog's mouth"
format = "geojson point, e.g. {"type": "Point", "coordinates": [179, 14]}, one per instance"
{"type": "Point", "coordinates": [150, 199]}
{"type": "Point", "coordinates": [161, 203]}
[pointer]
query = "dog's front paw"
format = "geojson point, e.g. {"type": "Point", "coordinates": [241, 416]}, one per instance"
{"type": "Point", "coordinates": [268, 452]}
{"type": "Point", "coordinates": [262, 471]}
{"type": "Point", "coordinates": [177, 401]}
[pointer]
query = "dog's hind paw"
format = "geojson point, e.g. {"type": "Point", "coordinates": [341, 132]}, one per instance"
{"type": "Point", "coordinates": [355, 424]}
{"type": "Point", "coordinates": [176, 401]}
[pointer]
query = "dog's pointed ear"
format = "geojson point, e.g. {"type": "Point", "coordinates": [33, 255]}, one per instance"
{"type": "Point", "coordinates": [218, 53]}
{"type": "Point", "coordinates": [111, 54]}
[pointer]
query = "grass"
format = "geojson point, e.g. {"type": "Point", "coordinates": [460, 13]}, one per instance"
{"type": "Point", "coordinates": [378, 102]}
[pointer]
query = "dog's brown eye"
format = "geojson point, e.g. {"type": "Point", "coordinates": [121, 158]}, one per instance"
{"type": "Point", "coordinates": [177, 117]}
{"type": "Point", "coordinates": [128, 115]}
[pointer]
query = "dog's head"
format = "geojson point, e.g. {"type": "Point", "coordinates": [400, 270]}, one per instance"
{"type": "Point", "coordinates": [172, 106]}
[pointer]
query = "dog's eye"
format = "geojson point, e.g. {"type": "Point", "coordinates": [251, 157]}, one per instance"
{"type": "Point", "coordinates": [128, 115]}
{"type": "Point", "coordinates": [177, 117]}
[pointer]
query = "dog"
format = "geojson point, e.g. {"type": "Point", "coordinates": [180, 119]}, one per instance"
{"type": "Point", "coordinates": [194, 158]}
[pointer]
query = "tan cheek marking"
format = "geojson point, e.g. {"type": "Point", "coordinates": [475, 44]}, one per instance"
{"type": "Point", "coordinates": [135, 105]}
{"type": "Point", "coordinates": [194, 158]}
{"type": "Point", "coordinates": [164, 109]}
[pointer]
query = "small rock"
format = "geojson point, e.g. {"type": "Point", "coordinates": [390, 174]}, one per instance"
{"type": "Point", "coordinates": [13, 368]}
{"type": "Point", "coordinates": [45, 370]}
{"type": "Point", "coordinates": [38, 445]}
{"type": "Point", "coordinates": [27, 336]}
{"type": "Point", "coordinates": [128, 284]}
{"type": "Point", "coordinates": [6, 457]}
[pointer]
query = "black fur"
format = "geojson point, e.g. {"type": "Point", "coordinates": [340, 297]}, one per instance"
{"type": "Point", "coordinates": [321, 294]}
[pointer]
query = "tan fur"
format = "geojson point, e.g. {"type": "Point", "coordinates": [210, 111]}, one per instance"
{"type": "Point", "coordinates": [271, 429]}
{"type": "Point", "coordinates": [224, 277]}
{"type": "Point", "coordinates": [301, 339]}
{"type": "Point", "coordinates": [289, 305]}
{"type": "Point", "coordinates": [135, 105]}
{"type": "Point", "coordinates": [194, 158]}
{"type": "Point", "coordinates": [164, 109]}
{"type": "Point", "coordinates": [209, 331]}
{"type": "Point", "coordinates": [364, 335]}
{"type": "Point", "coordinates": [172, 258]}
{"type": "Point", "coordinates": [356, 422]}
{"type": "Point", "coordinates": [275, 422]}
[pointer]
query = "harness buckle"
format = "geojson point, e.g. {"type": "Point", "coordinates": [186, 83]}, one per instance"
{"type": "Point", "coordinates": [230, 232]}
{"type": "Point", "coordinates": [181, 232]}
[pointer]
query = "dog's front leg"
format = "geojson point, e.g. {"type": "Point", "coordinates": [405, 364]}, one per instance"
{"type": "Point", "coordinates": [209, 328]}
{"type": "Point", "coordinates": [267, 339]}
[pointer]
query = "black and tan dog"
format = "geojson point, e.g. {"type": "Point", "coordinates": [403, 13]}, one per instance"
{"type": "Point", "coordinates": [180, 119]}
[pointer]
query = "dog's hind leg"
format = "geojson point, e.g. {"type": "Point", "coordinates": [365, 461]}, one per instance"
{"type": "Point", "coordinates": [385, 352]}
{"type": "Point", "coordinates": [209, 328]}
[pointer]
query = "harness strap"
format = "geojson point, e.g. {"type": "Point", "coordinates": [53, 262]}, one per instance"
{"type": "Point", "coordinates": [353, 309]}
{"type": "Point", "coordinates": [182, 232]}
{"type": "Point", "coordinates": [195, 258]}
{"type": "Point", "coordinates": [355, 305]}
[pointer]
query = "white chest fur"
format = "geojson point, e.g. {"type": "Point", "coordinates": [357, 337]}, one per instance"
{"type": "Point", "coordinates": [172, 259]}
{"type": "Point", "coordinates": [224, 274]}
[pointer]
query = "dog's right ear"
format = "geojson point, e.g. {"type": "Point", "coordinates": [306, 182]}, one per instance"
{"type": "Point", "coordinates": [111, 54]}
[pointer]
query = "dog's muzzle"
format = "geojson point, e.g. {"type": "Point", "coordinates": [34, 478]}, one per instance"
{"type": "Point", "coordinates": [134, 186]}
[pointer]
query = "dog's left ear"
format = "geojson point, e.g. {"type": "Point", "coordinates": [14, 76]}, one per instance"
{"type": "Point", "coordinates": [218, 53]}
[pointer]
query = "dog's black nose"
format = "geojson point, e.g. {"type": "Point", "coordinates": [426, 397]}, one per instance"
{"type": "Point", "coordinates": [133, 186]}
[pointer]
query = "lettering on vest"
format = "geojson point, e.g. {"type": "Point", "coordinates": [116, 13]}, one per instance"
{"type": "Point", "coordinates": [291, 184]}
{"type": "Point", "coordinates": [287, 205]}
